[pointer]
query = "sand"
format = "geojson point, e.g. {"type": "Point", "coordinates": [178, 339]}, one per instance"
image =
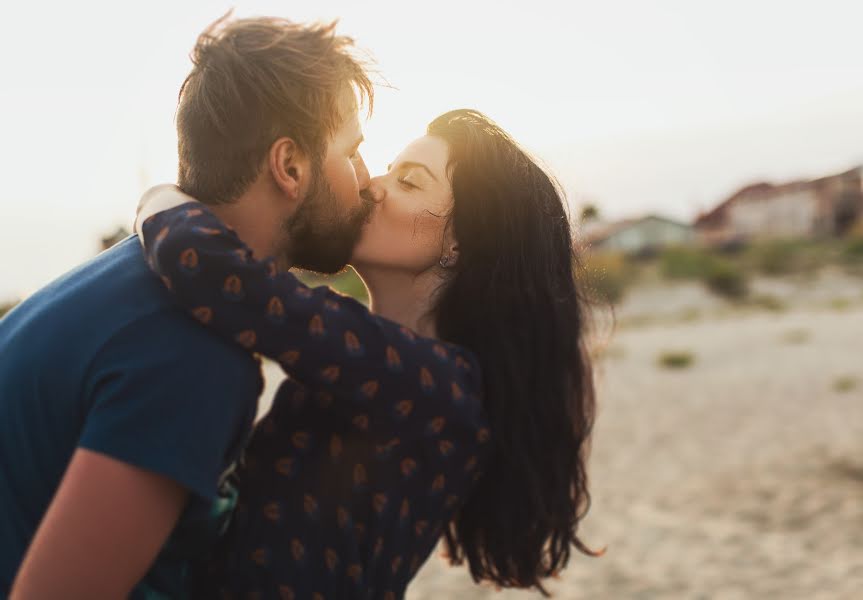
{"type": "Point", "coordinates": [740, 476]}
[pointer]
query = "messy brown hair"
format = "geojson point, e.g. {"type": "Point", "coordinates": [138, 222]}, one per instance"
{"type": "Point", "coordinates": [254, 81]}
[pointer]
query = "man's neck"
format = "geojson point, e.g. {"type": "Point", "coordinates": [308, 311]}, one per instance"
{"type": "Point", "coordinates": [248, 225]}
{"type": "Point", "coordinates": [404, 298]}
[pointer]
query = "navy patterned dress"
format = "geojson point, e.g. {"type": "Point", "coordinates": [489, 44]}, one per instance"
{"type": "Point", "coordinates": [373, 441]}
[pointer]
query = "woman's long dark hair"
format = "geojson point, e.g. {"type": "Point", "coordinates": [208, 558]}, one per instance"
{"type": "Point", "coordinates": [512, 299]}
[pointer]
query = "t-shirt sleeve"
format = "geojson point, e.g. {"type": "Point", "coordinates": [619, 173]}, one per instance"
{"type": "Point", "coordinates": [167, 396]}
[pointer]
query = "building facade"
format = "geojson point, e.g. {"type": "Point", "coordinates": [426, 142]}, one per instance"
{"type": "Point", "coordinates": [823, 207]}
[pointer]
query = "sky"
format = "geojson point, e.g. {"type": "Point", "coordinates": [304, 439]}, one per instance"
{"type": "Point", "coordinates": [637, 106]}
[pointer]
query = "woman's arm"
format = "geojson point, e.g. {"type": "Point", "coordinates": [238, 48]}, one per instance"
{"type": "Point", "coordinates": [321, 338]}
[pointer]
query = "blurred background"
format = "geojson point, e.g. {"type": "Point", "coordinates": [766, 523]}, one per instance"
{"type": "Point", "coordinates": [711, 153]}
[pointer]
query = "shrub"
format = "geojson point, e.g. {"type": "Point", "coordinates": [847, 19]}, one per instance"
{"type": "Point", "coordinates": [840, 303]}
{"type": "Point", "coordinates": [856, 229]}
{"type": "Point", "coordinates": [604, 276]}
{"type": "Point", "coordinates": [679, 262]}
{"type": "Point", "coordinates": [732, 246]}
{"type": "Point", "coordinates": [778, 257]}
{"type": "Point", "coordinates": [675, 359]}
{"type": "Point", "coordinates": [844, 384]}
{"type": "Point", "coordinates": [769, 302]}
{"type": "Point", "coordinates": [6, 307]}
{"type": "Point", "coordinates": [725, 279]}
{"type": "Point", "coordinates": [115, 237]}
{"type": "Point", "coordinates": [852, 253]}
{"type": "Point", "coordinates": [690, 314]}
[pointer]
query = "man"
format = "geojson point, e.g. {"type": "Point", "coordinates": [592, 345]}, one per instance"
{"type": "Point", "coordinates": [119, 416]}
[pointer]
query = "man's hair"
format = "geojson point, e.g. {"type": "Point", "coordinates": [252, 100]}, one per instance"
{"type": "Point", "coordinates": [253, 81]}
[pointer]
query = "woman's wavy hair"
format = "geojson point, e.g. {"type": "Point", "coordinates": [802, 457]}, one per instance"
{"type": "Point", "coordinates": [512, 299]}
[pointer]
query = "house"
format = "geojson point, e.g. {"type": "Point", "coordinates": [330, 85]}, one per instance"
{"type": "Point", "coordinates": [642, 235]}
{"type": "Point", "coordinates": [821, 207]}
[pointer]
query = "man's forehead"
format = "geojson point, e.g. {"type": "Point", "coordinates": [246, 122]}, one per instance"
{"type": "Point", "coordinates": [354, 125]}
{"type": "Point", "coordinates": [349, 112]}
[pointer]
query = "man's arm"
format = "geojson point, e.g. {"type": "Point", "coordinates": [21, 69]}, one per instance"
{"type": "Point", "coordinates": [102, 531]}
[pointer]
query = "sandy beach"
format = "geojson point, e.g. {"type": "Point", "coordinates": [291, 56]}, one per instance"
{"type": "Point", "coordinates": [740, 476]}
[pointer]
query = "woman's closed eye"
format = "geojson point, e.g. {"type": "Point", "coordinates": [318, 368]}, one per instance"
{"type": "Point", "coordinates": [407, 184]}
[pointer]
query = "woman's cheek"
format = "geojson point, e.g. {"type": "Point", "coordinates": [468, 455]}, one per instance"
{"type": "Point", "coordinates": [400, 235]}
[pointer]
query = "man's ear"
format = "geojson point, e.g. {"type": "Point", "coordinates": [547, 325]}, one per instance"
{"type": "Point", "coordinates": [290, 168]}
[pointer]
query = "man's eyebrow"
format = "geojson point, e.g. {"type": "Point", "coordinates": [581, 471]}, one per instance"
{"type": "Point", "coordinates": [411, 164]}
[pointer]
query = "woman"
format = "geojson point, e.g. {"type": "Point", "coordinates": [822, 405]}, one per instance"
{"type": "Point", "coordinates": [384, 436]}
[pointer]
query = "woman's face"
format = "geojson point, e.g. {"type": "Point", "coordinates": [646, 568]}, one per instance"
{"type": "Point", "coordinates": [407, 227]}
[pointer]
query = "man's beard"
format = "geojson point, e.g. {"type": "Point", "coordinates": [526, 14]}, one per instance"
{"type": "Point", "coordinates": [320, 236]}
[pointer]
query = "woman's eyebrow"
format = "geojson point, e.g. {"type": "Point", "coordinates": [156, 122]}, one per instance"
{"type": "Point", "coordinates": [410, 164]}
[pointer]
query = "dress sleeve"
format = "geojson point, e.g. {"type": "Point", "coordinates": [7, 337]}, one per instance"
{"type": "Point", "coordinates": [331, 343]}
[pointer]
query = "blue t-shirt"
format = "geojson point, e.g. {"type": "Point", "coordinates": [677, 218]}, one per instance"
{"type": "Point", "coordinates": [102, 359]}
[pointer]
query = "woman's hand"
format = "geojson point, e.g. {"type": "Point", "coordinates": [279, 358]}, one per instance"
{"type": "Point", "coordinates": [155, 200]}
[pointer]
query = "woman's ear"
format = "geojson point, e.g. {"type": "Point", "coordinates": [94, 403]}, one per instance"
{"type": "Point", "coordinates": [449, 254]}
{"type": "Point", "coordinates": [449, 258]}
{"type": "Point", "coordinates": [453, 251]}
{"type": "Point", "coordinates": [290, 168]}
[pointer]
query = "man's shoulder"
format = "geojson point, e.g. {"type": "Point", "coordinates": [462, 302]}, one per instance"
{"type": "Point", "coordinates": [111, 305]}
{"type": "Point", "coordinates": [151, 322]}
{"type": "Point", "coordinates": [110, 289]}
{"type": "Point", "coordinates": [174, 337]}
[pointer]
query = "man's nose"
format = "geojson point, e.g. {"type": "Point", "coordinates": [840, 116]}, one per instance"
{"type": "Point", "coordinates": [376, 190]}
{"type": "Point", "coordinates": [362, 174]}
